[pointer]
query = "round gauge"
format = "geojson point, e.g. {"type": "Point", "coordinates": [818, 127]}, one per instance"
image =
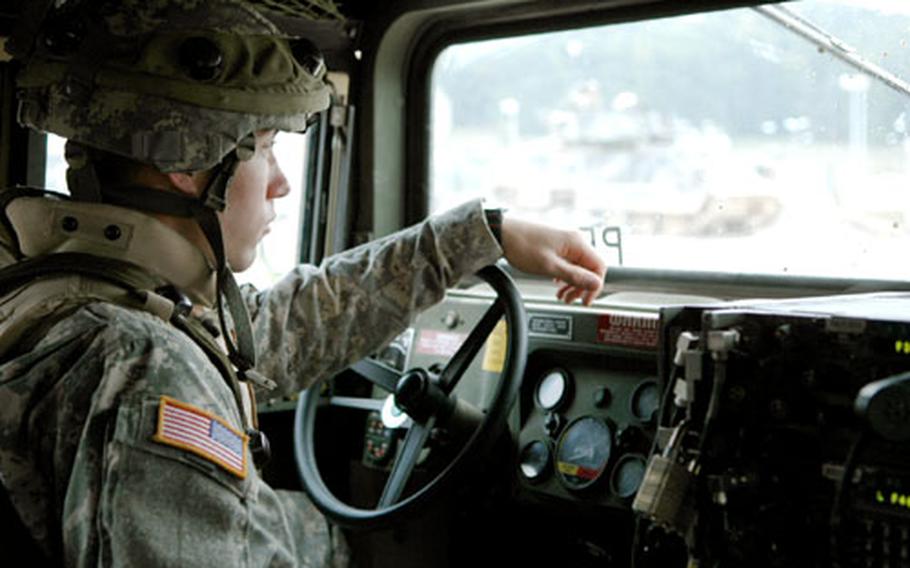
{"type": "Point", "coordinates": [583, 451]}
{"type": "Point", "coordinates": [646, 401]}
{"type": "Point", "coordinates": [534, 459]}
{"type": "Point", "coordinates": [627, 475]}
{"type": "Point", "coordinates": [553, 389]}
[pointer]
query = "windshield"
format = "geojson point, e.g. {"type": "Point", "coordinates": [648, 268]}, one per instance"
{"type": "Point", "coordinates": [723, 141]}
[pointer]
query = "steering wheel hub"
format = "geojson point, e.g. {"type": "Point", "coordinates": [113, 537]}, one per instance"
{"type": "Point", "coordinates": [421, 397]}
{"type": "Point", "coordinates": [411, 390]}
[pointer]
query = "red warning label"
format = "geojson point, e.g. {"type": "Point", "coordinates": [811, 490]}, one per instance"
{"type": "Point", "coordinates": [442, 343]}
{"type": "Point", "coordinates": [628, 331]}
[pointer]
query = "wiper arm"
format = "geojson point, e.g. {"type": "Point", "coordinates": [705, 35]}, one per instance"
{"type": "Point", "coordinates": [828, 42]}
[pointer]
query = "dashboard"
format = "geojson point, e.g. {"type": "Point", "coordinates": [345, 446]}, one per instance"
{"type": "Point", "coordinates": [585, 419]}
{"type": "Point", "coordinates": [657, 426]}
{"type": "Point", "coordinates": [747, 432]}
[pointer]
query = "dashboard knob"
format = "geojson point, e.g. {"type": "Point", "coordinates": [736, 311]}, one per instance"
{"type": "Point", "coordinates": [628, 436]}
{"type": "Point", "coordinates": [451, 320]}
{"type": "Point", "coordinates": [552, 424]}
{"type": "Point", "coordinates": [602, 397]}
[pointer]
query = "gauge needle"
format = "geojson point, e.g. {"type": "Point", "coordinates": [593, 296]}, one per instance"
{"type": "Point", "coordinates": [583, 453]}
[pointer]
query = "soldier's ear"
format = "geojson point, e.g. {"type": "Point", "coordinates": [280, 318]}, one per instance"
{"type": "Point", "coordinates": [188, 183]}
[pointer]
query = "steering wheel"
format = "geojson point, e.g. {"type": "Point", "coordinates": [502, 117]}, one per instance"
{"type": "Point", "coordinates": [428, 399]}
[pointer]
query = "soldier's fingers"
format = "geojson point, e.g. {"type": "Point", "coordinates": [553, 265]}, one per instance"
{"type": "Point", "coordinates": [573, 295]}
{"type": "Point", "coordinates": [590, 296]}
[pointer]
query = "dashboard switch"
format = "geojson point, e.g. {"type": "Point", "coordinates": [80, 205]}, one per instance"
{"type": "Point", "coordinates": [602, 397]}
{"type": "Point", "coordinates": [628, 437]}
{"type": "Point", "coordinates": [451, 320]}
{"type": "Point", "coordinates": [379, 443]}
{"type": "Point", "coordinates": [552, 424]}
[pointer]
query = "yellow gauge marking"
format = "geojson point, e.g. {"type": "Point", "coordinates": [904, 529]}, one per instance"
{"type": "Point", "coordinates": [567, 468]}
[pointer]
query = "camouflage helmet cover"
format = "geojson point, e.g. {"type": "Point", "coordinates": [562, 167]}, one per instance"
{"type": "Point", "coordinates": [173, 83]}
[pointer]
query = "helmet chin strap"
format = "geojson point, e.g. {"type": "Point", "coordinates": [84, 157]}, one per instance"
{"type": "Point", "coordinates": [81, 178]}
{"type": "Point", "coordinates": [84, 186]}
{"type": "Point", "coordinates": [243, 353]}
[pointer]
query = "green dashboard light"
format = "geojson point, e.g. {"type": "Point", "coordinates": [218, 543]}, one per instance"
{"type": "Point", "coordinates": [894, 498]}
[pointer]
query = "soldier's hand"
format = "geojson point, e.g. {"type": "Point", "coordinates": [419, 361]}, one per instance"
{"type": "Point", "coordinates": [563, 255]}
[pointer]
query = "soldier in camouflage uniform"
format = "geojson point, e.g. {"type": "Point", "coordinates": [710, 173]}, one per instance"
{"type": "Point", "coordinates": [124, 437]}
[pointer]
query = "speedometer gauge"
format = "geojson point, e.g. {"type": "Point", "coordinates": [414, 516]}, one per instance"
{"type": "Point", "coordinates": [583, 452]}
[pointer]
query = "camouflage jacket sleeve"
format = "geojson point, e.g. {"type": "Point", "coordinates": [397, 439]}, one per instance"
{"type": "Point", "coordinates": [318, 320]}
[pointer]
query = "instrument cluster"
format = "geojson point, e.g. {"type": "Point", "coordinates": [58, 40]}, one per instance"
{"type": "Point", "coordinates": [587, 422]}
{"type": "Point", "coordinates": [586, 416]}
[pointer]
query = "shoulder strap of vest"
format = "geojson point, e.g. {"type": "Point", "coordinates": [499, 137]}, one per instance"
{"type": "Point", "coordinates": [129, 276]}
{"type": "Point", "coordinates": [139, 284]}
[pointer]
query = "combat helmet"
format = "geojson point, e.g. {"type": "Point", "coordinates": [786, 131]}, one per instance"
{"type": "Point", "coordinates": [181, 85]}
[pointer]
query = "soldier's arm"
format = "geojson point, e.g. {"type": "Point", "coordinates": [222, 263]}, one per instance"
{"type": "Point", "coordinates": [318, 320]}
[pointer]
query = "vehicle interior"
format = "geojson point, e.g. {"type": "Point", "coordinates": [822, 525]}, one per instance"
{"type": "Point", "coordinates": [738, 395]}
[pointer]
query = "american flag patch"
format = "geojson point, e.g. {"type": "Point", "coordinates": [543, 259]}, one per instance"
{"type": "Point", "coordinates": [190, 428]}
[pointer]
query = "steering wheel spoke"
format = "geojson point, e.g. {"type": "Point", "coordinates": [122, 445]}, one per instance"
{"type": "Point", "coordinates": [380, 375]}
{"type": "Point", "coordinates": [405, 461]}
{"type": "Point", "coordinates": [374, 404]}
{"type": "Point", "coordinates": [459, 363]}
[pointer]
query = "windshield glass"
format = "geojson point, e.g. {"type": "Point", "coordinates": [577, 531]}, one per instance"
{"type": "Point", "coordinates": [724, 141]}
